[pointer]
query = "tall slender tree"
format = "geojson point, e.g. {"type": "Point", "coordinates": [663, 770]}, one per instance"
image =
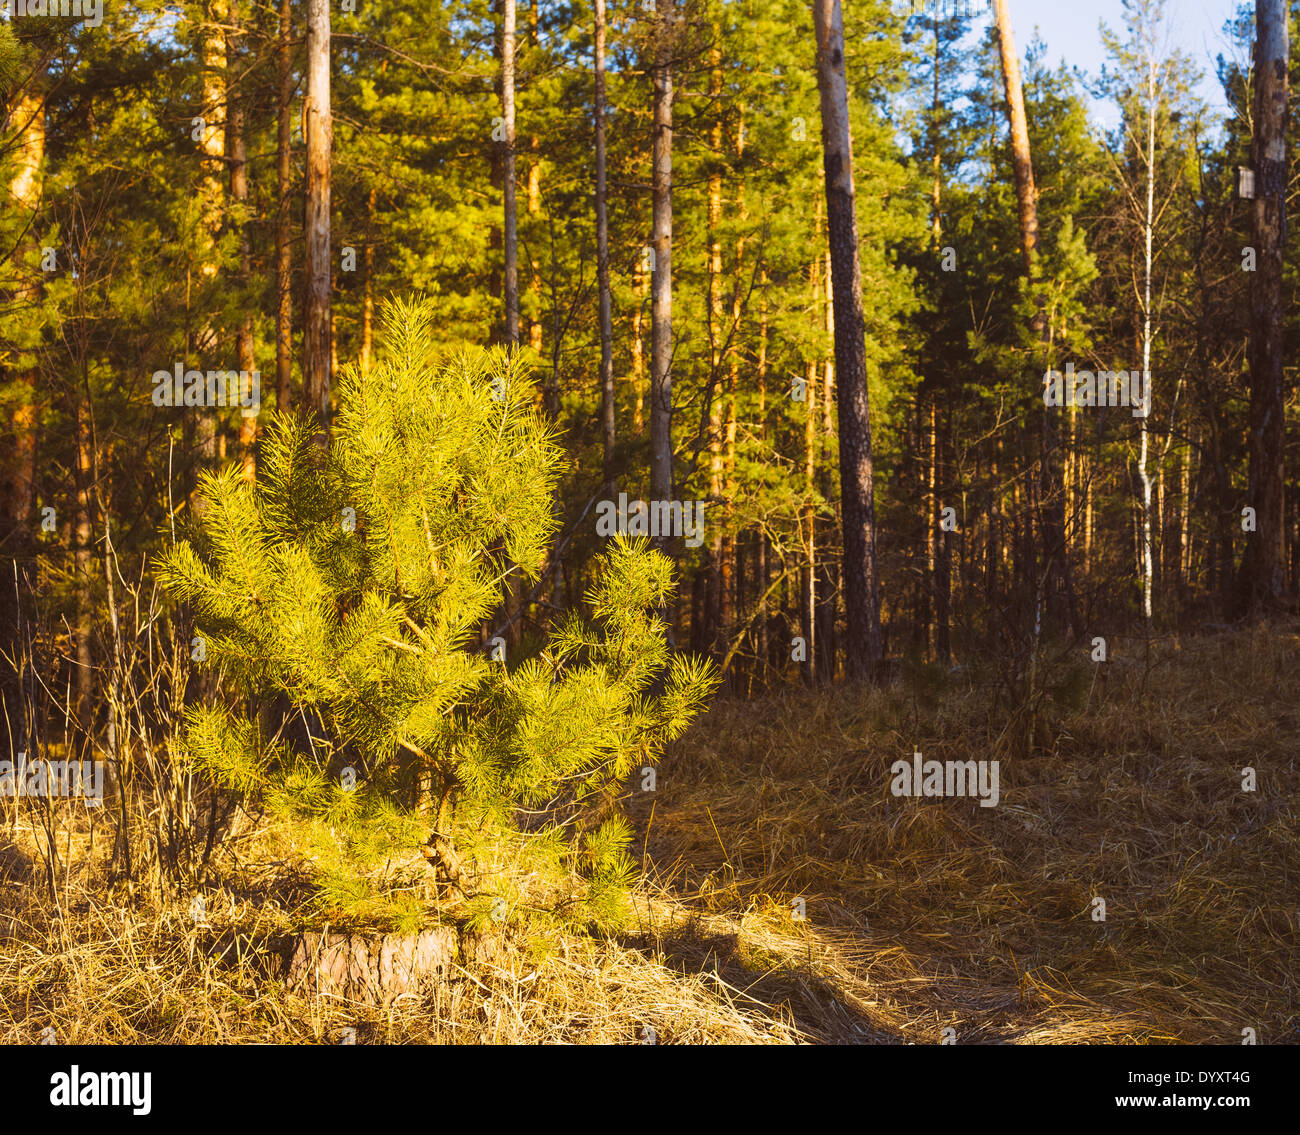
{"type": "Point", "coordinates": [511, 224]}
{"type": "Point", "coordinates": [283, 217]}
{"type": "Point", "coordinates": [607, 421]}
{"type": "Point", "coordinates": [1266, 557]}
{"type": "Point", "coordinates": [236, 147]}
{"type": "Point", "coordinates": [661, 268]}
{"type": "Point", "coordinates": [318, 132]}
{"type": "Point", "coordinates": [862, 648]}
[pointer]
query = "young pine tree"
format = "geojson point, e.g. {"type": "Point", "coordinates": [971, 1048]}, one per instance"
{"type": "Point", "coordinates": [340, 599]}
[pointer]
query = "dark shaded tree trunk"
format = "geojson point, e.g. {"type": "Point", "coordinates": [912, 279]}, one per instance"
{"type": "Point", "coordinates": [1266, 550]}
{"type": "Point", "coordinates": [18, 449]}
{"type": "Point", "coordinates": [661, 287]}
{"type": "Point", "coordinates": [602, 267]}
{"type": "Point", "coordinates": [863, 649]}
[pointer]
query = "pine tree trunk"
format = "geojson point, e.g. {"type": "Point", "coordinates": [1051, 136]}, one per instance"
{"type": "Point", "coordinates": [1026, 194]}
{"type": "Point", "coordinates": [83, 684]}
{"type": "Point", "coordinates": [1057, 587]}
{"type": "Point", "coordinates": [534, 265]}
{"type": "Point", "coordinates": [511, 222]}
{"type": "Point", "coordinates": [317, 350]}
{"type": "Point", "coordinates": [638, 349]}
{"type": "Point", "coordinates": [713, 277]}
{"type": "Point", "coordinates": [661, 303]}
{"type": "Point", "coordinates": [235, 146]}
{"type": "Point", "coordinates": [863, 648]}
{"type": "Point", "coordinates": [761, 576]}
{"type": "Point", "coordinates": [943, 568]}
{"type": "Point", "coordinates": [368, 286]}
{"type": "Point", "coordinates": [826, 644]}
{"type": "Point", "coordinates": [18, 451]}
{"type": "Point", "coordinates": [730, 586]}
{"type": "Point", "coordinates": [283, 219]}
{"type": "Point", "coordinates": [213, 193]}
{"type": "Point", "coordinates": [1185, 520]}
{"type": "Point", "coordinates": [807, 526]}
{"type": "Point", "coordinates": [1266, 551]}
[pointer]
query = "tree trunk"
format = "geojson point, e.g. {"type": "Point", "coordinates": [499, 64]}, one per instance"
{"type": "Point", "coordinates": [713, 276]}
{"type": "Point", "coordinates": [83, 684]}
{"type": "Point", "coordinates": [319, 136]}
{"type": "Point", "coordinates": [943, 568]}
{"type": "Point", "coordinates": [807, 524]}
{"type": "Point", "coordinates": [1026, 194]}
{"type": "Point", "coordinates": [235, 147]}
{"type": "Point", "coordinates": [511, 222]}
{"type": "Point", "coordinates": [213, 194]}
{"type": "Point", "coordinates": [730, 583]}
{"type": "Point", "coordinates": [1056, 584]}
{"type": "Point", "coordinates": [760, 552]}
{"type": "Point", "coordinates": [602, 266]}
{"type": "Point", "coordinates": [18, 453]}
{"type": "Point", "coordinates": [368, 286]}
{"type": "Point", "coordinates": [1148, 228]}
{"type": "Point", "coordinates": [1266, 551]}
{"type": "Point", "coordinates": [661, 288]}
{"type": "Point", "coordinates": [283, 220]}
{"type": "Point", "coordinates": [638, 349]}
{"type": "Point", "coordinates": [826, 645]}
{"type": "Point", "coordinates": [863, 648]}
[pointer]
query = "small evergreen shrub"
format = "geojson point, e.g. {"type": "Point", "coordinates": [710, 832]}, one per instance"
{"type": "Point", "coordinates": [340, 599]}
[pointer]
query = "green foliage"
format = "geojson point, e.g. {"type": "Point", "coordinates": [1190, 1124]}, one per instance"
{"type": "Point", "coordinates": [343, 593]}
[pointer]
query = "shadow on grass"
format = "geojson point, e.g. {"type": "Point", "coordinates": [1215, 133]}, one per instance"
{"type": "Point", "coordinates": [806, 1002]}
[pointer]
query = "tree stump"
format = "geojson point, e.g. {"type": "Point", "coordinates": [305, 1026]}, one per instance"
{"type": "Point", "coordinates": [371, 970]}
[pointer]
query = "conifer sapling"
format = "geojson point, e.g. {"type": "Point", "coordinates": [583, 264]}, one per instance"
{"type": "Point", "coordinates": [341, 600]}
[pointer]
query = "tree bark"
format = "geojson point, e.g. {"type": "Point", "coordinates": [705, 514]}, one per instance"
{"type": "Point", "coordinates": [1026, 194]}
{"type": "Point", "coordinates": [283, 220]}
{"type": "Point", "coordinates": [760, 551]}
{"type": "Point", "coordinates": [661, 287]}
{"type": "Point", "coordinates": [213, 197]}
{"type": "Point", "coordinates": [236, 148]}
{"type": "Point", "coordinates": [713, 277]}
{"type": "Point", "coordinates": [319, 135]}
{"type": "Point", "coordinates": [18, 492]}
{"type": "Point", "coordinates": [368, 286]}
{"type": "Point", "coordinates": [1266, 554]}
{"type": "Point", "coordinates": [602, 266]}
{"type": "Point", "coordinates": [511, 221]}
{"type": "Point", "coordinates": [863, 648]}
{"type": "Point", "coordinates": [639, 285]}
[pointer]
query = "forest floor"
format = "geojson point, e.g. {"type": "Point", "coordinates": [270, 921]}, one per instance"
{"type": "Point", "coordinates": [1121, 781]}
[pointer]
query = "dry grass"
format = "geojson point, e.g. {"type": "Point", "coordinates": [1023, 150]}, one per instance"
{"type": "Point", "coordinates": [921, 914]}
